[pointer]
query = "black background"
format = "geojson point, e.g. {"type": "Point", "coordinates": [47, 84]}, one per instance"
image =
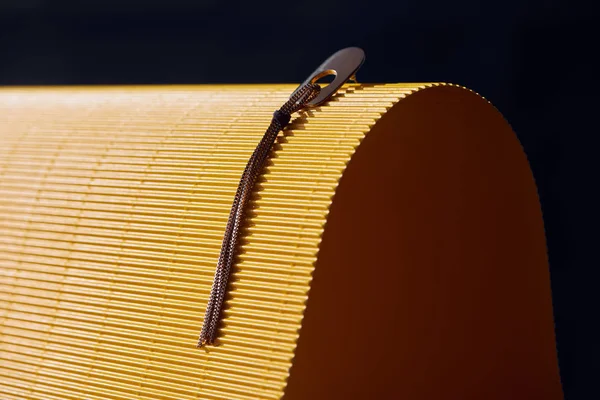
{"type": "Point", "coordinates": [535, 60]}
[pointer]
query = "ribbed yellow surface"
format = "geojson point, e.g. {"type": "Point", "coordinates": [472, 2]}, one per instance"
{"type": "Point", "coordinates": [113, 202]}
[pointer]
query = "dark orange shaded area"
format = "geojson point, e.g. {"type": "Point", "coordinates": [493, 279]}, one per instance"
{"type": "Point", "coordinates": [432, 280]}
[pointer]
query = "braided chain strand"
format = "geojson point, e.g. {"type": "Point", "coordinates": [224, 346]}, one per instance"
{"type": "Point", "coordinates": [212, 316]}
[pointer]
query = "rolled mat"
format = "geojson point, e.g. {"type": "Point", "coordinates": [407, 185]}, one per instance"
{"type": "Point", "coordinates": [408, 210]}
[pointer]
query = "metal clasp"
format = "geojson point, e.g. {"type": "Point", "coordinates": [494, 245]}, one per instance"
{"type": "Point", "coordinates": [343, 64]}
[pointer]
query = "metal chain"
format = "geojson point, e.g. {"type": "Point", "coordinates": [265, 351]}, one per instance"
{"type": "Point", "coordinates": [281, 118]}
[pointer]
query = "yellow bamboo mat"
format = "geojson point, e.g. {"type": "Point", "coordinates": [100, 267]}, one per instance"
{"type": "Point", "coordinates": [113, 202]}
